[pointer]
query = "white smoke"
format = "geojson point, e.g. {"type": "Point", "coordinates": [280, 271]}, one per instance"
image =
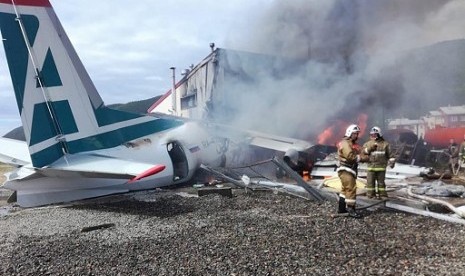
{"type": "Point", "coordinates": [355, 56]}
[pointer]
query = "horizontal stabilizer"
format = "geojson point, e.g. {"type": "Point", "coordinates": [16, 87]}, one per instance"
{"type": "Point", "coordinates": [89, 166]}
{"type": "Point", "coordinates": [61, 173]}
{"type": "Point", "coordinates": [14, 152]}
{"type": "Point", "coordinates": [96, 166]}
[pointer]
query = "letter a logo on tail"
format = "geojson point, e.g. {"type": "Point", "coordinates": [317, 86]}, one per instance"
{"type": "Point", "coordinates": [61, 111]}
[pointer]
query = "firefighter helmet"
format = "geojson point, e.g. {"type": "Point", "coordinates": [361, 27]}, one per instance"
{"type": "Point", "coordinates": [376, 130]}
{"type": "Point", "coordinates": [352, 129]}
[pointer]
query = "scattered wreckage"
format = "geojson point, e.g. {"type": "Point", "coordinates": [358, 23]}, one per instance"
{"type": "Point", "coordinates": [408, 191]}
{"type": "Point", "coordinates": [328, 166]}
{"type": "Point", "coordinates": [311, 174]}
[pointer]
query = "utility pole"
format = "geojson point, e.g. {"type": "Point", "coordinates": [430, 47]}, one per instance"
{"type": "Point", "coordinates": [173, 92]}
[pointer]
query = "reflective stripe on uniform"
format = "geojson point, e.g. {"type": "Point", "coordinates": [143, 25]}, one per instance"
{"type": "Point", "coordinates": [376, 169]}
{"type": "Point", "coordinates": [350, 201]}
{"type": "Point", "coordinates": [342, 168]}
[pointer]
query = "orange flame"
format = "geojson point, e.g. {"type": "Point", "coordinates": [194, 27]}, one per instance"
{"type": "Point", "coordinates": [325, 135]}
{"type": "Point", "coordinates": [332, 134]}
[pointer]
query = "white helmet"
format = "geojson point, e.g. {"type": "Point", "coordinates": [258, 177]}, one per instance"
{"type": "Point", "coordinates": [351, 129]}
{"type": "Point", "coordinates": [376, 130]}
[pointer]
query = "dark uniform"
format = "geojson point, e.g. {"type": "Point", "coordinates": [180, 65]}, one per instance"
{"type": "Point", "coordinates": [453, 152]}
{"type": "Point", "coordinates": [462, 153]}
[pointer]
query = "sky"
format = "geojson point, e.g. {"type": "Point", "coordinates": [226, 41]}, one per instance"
{"type": "Point", "coordinates": [128, 47]}
{"type": "Point", "coordinates": [350, 51]}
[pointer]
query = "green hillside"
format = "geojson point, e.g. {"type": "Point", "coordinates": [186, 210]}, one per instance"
{"type": "Point", "coordinates": [137, 106]}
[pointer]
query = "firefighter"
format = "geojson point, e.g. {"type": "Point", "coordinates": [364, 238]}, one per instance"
{"type": "Point", "coordinates": [379, 157]}
{"type": "Point", "coordinates": [453, 153]}
{"type": "Point", "coordinates": [349, 157]}
{"type": "Point", "coordinates": [462, 153]}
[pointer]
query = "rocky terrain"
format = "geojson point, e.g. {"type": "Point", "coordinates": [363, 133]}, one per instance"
{"type": "Point", "coordinates": [253, 233]}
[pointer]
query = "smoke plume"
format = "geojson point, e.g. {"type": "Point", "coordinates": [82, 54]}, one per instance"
{"type": "Point", "coordinates": [383, 58]}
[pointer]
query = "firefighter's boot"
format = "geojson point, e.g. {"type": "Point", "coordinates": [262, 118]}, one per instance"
{"type": "Point", "coordinates": [341, 205]}
{"type": "Point", "coordinates": [352, 212]}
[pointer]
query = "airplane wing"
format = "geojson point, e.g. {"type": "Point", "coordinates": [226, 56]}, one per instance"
{"type": "Point", "coordinates": [253, 138]}
{"type": "Point", "coordinates": [276, 142]}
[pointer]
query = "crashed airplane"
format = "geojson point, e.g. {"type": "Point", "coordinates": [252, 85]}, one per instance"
{"type": "Point", "coordinates": [76, 147]}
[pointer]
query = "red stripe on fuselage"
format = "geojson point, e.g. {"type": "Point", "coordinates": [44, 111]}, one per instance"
{"type": "Point", "coordinates": [37, 3]}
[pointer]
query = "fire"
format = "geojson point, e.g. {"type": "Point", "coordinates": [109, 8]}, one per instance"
{"type": "Point", "coordinates": [325, 135]}
{"type": "Point", "coordinates": [332, 134]}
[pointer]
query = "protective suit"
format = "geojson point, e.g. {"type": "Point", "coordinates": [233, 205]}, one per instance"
{"type": "Point", "coordinates": [453, 151]}
{"type": "Point", "coordinates": [379, 157]}
{"type": "Point", "coordinates": [349, 156]}
{"type": "Point", "coordinates": [462, 153]}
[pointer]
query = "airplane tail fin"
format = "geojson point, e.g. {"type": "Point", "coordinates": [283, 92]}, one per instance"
{"type": "Point", "coordinates": [61, 110]}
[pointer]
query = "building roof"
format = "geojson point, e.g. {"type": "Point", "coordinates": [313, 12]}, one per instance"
{"type": "Point", "coordinates": [404, 121]}
{"type": "Point", "coordinates": [435, 113]}
{"type": "Point", "coordinates": [453, 110]}
{"type": "Point", "coordinates": [236, 66]}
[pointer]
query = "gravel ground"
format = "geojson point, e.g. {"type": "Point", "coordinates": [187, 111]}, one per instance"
{"type": "Point", "coordinates": [255, 233]}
